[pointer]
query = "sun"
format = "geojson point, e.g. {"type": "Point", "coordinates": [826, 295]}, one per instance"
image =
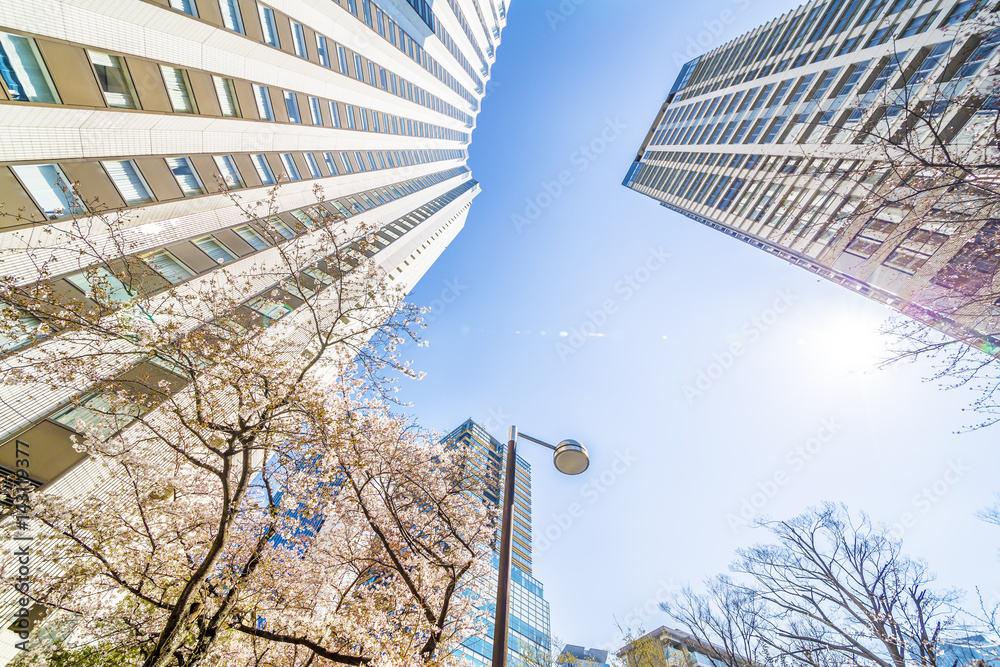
{"type": "Point", "coordinates": [846, 339]}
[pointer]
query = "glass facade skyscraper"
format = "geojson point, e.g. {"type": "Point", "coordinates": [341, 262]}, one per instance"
{"type": "Point", "coordinates": [774, 139]}
{"type": "Point", "coordinates": [529, 637]}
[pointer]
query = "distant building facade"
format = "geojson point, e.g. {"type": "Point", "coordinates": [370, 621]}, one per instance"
{"type": "Point", "coordinates": [578, 656]}
{"type": "Point", "coordinates": [529, 638]}
{"type": "Point", "coordinates": [669, 647]}
{"type": "Point", "coordinates": [769, 138]}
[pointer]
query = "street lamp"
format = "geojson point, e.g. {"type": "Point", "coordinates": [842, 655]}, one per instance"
{"type": "Point", "coordinates": [570, 458]}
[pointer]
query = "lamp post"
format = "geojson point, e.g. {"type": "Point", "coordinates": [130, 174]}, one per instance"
{"type": "Point", "coordinates": [570, 458]}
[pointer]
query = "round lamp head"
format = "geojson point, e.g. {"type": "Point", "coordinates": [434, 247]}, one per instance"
{"type": "Point", "coordinates": [571, 458]}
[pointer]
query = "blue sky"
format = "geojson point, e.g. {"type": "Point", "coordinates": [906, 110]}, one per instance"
{"type": "Point", "coordinates": [687, 439]}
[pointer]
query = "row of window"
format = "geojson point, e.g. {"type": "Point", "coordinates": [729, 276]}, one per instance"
{"type": "Point", "coordinates": [183, 260]}
{"type": "Point", "coordinates": [807, 27]}
{"type": "Point", "coordinates": [742, 116]}
{"type": "Point", "coordinates": [233, 19]}
{"type": "Point", "coordinates": [53, 193]}
{"type": "Point", "coordinates": [27, 79]}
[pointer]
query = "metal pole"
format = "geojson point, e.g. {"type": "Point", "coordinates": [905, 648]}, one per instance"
{"type": "Point", "coordinates": [503, 577]}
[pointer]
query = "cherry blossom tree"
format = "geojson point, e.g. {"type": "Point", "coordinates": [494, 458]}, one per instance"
{"type": "Point", "coordinates": [251, 498]}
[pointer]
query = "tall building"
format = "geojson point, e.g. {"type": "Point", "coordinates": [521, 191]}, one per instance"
{"type": "Point", "coordinates": [774, 139]}
{"type": "Point", "coordinates": [530, 637]}
{"type": "Point", "coordinates": [149, 106]}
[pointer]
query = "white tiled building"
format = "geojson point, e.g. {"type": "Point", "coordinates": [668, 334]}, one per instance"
{"type": "Point", "coordinates": [149, 105]}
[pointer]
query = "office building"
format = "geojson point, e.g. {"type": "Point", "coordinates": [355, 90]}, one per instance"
{"type": "Point", "coordinates": [783, 138]}
{"type": "Point", "coordinates": [530, 637]}
{"type": "Point", "coordinates": [578, 656]}
{"type": "Point", "coordinates": [151, 106]}
{"type": "Point", "coordinates": [154, 108]}
{"type": "Point", "coordinates": [669, 646]}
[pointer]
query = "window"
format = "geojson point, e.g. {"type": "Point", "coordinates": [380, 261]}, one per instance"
{"type": "Point", "coordinates": [350, 117]}
{"type": "Point", "coordinates": [364, 118]}
{"type": "Point", "coordinates": [179, 89]}
{"type": "Point", "coordinates": [24, 331]}
{"type": "Point", "coordinates": [334, 114]}
{"type": "Point", "coordinates": [330, 163]}
{"type": "Point", "coordinates": [299, 40]}
{"type": "Point", "coordinates": [360, 160]}
{"type": "Point", "coordinates": [168, 266]}
{"type": "Point", "coordinates": [212, 247]}
{"type": "Point", "coordinates": [263, 97]}
{"type": "Point", "coordinates": [315, 112]}
{"type": "Point", "coordinates": [880, 36]}
{"type": "Point", "coordinates": [115, 82]}
{"type": "Point", "coordinates": [225, 89]}
{"type": "Point", "coordinates": [323, 51]}
{"type": "Point", "coordinates": [313, 166]}
{"type": "Point", "coordinates": [186, 176]}
{"type": "Point", "coordinates": [186, 6]}
{"type": "Point", "coordinates": [113, 289]}
{"type": "Point", "coordinates": [97, 410]}
{"type": "Point", "coordinates": [292, 105]}
{"type": "Point", "coordinates": [290, 169]}
{"type": "Point", "coordinates": [24, 72]}
{"type": "Point", "coordinates": [280, 227]}
{"type": "Point", "coordinates": [269, 308]}
{"type": "Point", "coordinates": [263, 168]}
{"type": "Point", "coordinates": [919, 24]}
{"type": "Point", "coordinates": [51, 190]}
{"type": "Point", "coordinates": [231, 17]}
{"type": "Point", "coordinates": [359, 71]}
{"type": "Point", "coordinates": [346, 159]}
{"type": "Point", "coordinates": [268, 25]}
{"type": "Point", "coordinates": [129, 181]}
{"type": "Point", "coordinates": [342, 57]}
{"type": "Point", "coordinates": [230, 173]}
{"type": "Point", "coordinates": [252, 237]}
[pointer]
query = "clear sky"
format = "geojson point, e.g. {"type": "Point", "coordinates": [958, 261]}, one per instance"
{"type": "Point", "coordinates": [649, 299]}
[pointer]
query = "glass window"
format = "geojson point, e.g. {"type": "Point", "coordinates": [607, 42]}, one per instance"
{"type": "Point", "coordinates": [335, 114]}
{"type": "Point", "coordinates": [313, 166]}
{"type": "Point", "coordinates": [364, 118]}
{"type": "Point", "coordinates": [360, 160]}
{"type": "Point", "coordinates": [263, 97]}
{"type": "Point", "coordinates": [323, 51]}
{"type": "Point", "coordinates": [168, 266]}
{"type": "Point", "coordinates": [230, 172]}
{"type": "Point", "coordinates": [51, 190]}
{"type": "Point", "coordinates": [129, 181]}
{"type": "Point", "coordinates": [346, 159]}
{"type": "Point", "coordinates": [299, 40]}
{"type": "Point", "coordinates": [24, 72]}
{"type": "Point", "coordinates": [315, 112]}
{"type": "Point", "coordinates": [290, 169]}
{"type": "Point", "coordinates": [231, 16]}
{"type": "Point", "coordinates": [251, 236]}
{"type": "Point", "coordinates": [94, 410]}
{"type": "Point", "coordinates": [22, 332]}
{"type": "Point", "coordinates": [330, 163]}
{"type": "Point", "coordinates": [280, 227]}
{"type": "Point", "coordinates": [226, 91]}
{"type": "Point", "coordinates": [292, 105]}
{"type": "Point", "coordinates": [179, 89]}
{"type": "Point", "coordinates": [212, 247]}
{"type": "Point", "coordinates": [350, 117]}
{"type": "Point", "coordinates": [186, 6]}
{"type": "Point", "coordinates": [115, 82]}
{"type": "Point", "coordinates": [359, 71]}
{"type": "Point", "coordinates": [114, 289]}
{"type": "Point", "coordinates": [269, 308]}
{"type": "Point", "coordinates": [342, 57]}
{"type": "Point", "coordinates": [263, 168]}
{"type": "Point", "coordinates": [186, 176]}
{"type": "Point", "coordinates": [268, 25]}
